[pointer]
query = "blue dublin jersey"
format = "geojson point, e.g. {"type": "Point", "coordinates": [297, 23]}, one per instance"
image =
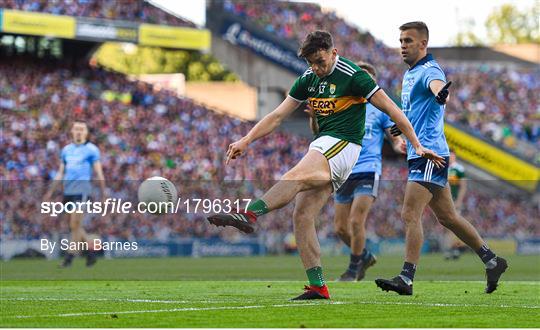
{"type": "Point", "coordinates": [78, 161]}
{"type": "Point", "coordinates": [370, 158]}
{"type": "Point", "coordinates": [419, 105]}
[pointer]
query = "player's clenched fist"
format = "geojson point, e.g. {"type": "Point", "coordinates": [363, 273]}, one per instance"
{"type": "Point", "coordinates": [236, 149]}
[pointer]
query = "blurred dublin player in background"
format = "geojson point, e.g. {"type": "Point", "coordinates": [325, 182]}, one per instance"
{"type": "Point", "coordinates": [78, 161]}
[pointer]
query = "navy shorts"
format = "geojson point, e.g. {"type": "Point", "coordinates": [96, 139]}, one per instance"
{"type": "Point", "coordinates": [423, 170]}
{"type": "Point", "coordinates": [363, 183]}
{"type": "Point", "coordinates": [75, 198]}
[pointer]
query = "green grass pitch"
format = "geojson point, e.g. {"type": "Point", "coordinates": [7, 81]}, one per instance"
{"type": "Point", "coordinates": [255, 292]}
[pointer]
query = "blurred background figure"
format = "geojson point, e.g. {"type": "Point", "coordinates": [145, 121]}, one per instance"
{"type": "Point", "coordinates": [79, 163]}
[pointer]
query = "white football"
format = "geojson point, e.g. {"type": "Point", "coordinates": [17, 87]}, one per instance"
{"type": "Point", "coordinates": [157, 189]}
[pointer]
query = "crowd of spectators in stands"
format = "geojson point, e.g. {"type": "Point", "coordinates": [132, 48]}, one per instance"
{"type": "Point", "coordinates": [143, 132]}
{"type": "Point", "coordinates": [125, 10]}
{"type": "Point", "coordinates": [506, 110]}
{"type": "Point", "coordinates": [501, 104]}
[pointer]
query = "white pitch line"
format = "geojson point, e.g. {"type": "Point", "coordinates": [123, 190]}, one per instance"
{"type": "Point", "coordinates": [101, 299]}
{"type": "Point", "coordinates": [299, 304]}
{"type": "Point", "coordinates": [533, 282]}
{"type": "Point", "coordinates": [229, 301]}
{"type": "Point", "coordinates": [187, 309]}
{"type": "Point", "coordinates": [442, 304]}
{"type": "Point", "coordinates": [157, 301]}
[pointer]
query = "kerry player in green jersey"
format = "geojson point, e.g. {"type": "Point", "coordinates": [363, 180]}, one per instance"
{"type": "Point", "coordinates": [337, 90]}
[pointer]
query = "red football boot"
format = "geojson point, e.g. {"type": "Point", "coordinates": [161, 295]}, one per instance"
{"type": "Point", "coordinates": [314, 292]}
{"type": "Point", "coordinates": [243, 221]}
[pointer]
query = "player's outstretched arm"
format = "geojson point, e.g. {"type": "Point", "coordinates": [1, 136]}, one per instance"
{"type": "Point", "coordinates": [264, 127]}
{"type": "Point", "coordinates": [386, 105]}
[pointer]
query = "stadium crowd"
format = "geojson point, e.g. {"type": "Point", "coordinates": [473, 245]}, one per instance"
{"type": "Point", "coordinates": [125, 10]}
{"type": "Point", "coordinates": [143, 132]}
{"type": "Point", "coordinates": [505, 110]}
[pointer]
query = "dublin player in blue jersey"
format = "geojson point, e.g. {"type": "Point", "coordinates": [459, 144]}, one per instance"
{"type": "Point", "coordinates": [424, 94]}
{"type": "Point", "coordinates": [354, 199]}
{"type": "Point", "coordinates": [79, 160]}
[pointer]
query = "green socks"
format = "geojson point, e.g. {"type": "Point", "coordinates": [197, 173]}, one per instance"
{"type": "Point", "coordinates": [315, 276]}
{"type": "Point", "coordinates": [258, 207]}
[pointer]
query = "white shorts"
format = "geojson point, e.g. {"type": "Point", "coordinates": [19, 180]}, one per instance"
{"type": "Point", "coordinates": [341, 155]}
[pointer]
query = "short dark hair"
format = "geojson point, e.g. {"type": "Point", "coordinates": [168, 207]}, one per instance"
{"type": "Point", "coordinates": [315, 41]}
{"type": "Point", "coordinates": [418, 26]}
{"type": "Point", "coordinates": [82, 121]}
{"type": "Point", "coordinates": [367, 67]}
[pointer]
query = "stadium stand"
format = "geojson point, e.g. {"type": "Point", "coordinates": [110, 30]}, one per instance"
{"type": "Point", "coordinates": [504, 111]}
{"type": "Point", "coordinates": [126, 10]}
{"type": "Point", "coordinates": [175, 269]}
{"type": "Point", "coordinates": [144, 132]}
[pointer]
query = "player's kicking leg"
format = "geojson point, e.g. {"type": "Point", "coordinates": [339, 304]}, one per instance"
{"type": "Point", "coordinates": [311, 172]}
{"type": "Point", "coordinates": [329, 160]}
{"type": "Point", "coordinates": [310, 178]}
{"type": "Point", "coordinates": [443, 207]}
{"type": "Point", "coordinates": [307, 207]}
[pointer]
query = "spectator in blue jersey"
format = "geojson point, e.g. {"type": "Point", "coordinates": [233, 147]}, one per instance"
{"type": "Point", "coordinates": [423, 97]}
{"type": "Point", "coordinates": [78, 161]}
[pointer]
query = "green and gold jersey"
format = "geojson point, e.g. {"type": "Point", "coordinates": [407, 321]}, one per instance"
{"type": "Point", "coordinates": [456, 173]}
{"type": "Point", "coordinates": [339, 99]}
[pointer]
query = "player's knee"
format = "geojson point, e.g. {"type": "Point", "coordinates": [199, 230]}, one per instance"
{"type": "Point", "coordinates": [294, 175]}
{"type": "Point", "coordinates": [357, 224]}
{"type": "Point", "coordinates": [409, 215]}
{"type": "Point", "coordinates": [342, 230]}
{"type": "Point", "coordinates": [74, 226]}
{"type": "Point", "coordinates": [360, 214]}
{"type": "Point", "coordinates": [305, 179]}
{"type": "Point", "coordinates": [447, 220]}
